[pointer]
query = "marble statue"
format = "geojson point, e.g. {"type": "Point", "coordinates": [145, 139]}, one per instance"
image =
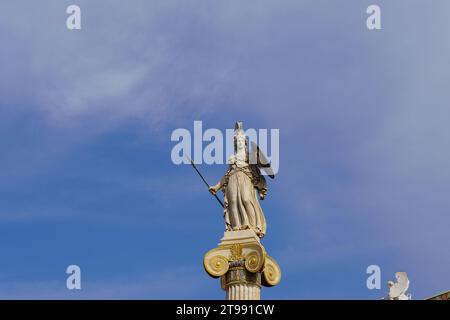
{"type": "Point", "coordinates": [240, 185]}
{"type": "Point", "coordinates": [397, 290]}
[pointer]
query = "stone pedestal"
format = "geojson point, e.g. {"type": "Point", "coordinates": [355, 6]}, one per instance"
{"type": "Point", "coordinates": [242, 264]}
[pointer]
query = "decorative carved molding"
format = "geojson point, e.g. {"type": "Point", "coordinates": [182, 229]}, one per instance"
{"type": "Point", "coordinates": [272, 273]}
{"type": "Point", "coordinates": [243, 262]}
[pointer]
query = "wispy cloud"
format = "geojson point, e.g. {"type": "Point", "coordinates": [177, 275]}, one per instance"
{"type": "Point", "coordinates": [172, 283]}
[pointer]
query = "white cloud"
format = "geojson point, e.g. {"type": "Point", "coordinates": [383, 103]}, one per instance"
{"type": "Point", "coordinates": [170, 283]}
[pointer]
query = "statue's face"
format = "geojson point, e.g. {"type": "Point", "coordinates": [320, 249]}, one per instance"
{"type": "Point", "coordinates": [240, 142]}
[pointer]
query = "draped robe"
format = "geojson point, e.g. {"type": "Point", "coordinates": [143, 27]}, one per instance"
{"type": "Point", "coordinates": [241, 207]}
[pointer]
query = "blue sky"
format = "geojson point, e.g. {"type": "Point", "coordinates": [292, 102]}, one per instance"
{"type": "Point", "coordinates": [86, 118]}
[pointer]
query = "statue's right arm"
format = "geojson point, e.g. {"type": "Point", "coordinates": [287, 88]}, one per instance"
{"type": "Point", "coordinates": [220, 184]}
{"type": "Point", "coordinates": [215, 188]}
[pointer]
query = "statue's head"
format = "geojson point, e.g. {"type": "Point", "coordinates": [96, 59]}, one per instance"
{"type": "Point", "coordinates": [240, 140]}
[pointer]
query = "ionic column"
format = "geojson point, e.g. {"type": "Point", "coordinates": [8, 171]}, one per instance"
{"type": "Point", "coordinates": [243, 265]}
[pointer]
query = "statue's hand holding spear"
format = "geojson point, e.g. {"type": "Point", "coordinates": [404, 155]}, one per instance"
{"type": "Point", "coordinates": [214, 189]}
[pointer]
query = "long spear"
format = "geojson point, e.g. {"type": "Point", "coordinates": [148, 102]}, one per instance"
{"type": "Point", "coordinates": [195, 167]}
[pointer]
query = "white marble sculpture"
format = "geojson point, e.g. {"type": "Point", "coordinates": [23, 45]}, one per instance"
{"type": "Point", "coordinates": [240, 183]}
{"type": "Point", "coordinates": [397, 290]}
